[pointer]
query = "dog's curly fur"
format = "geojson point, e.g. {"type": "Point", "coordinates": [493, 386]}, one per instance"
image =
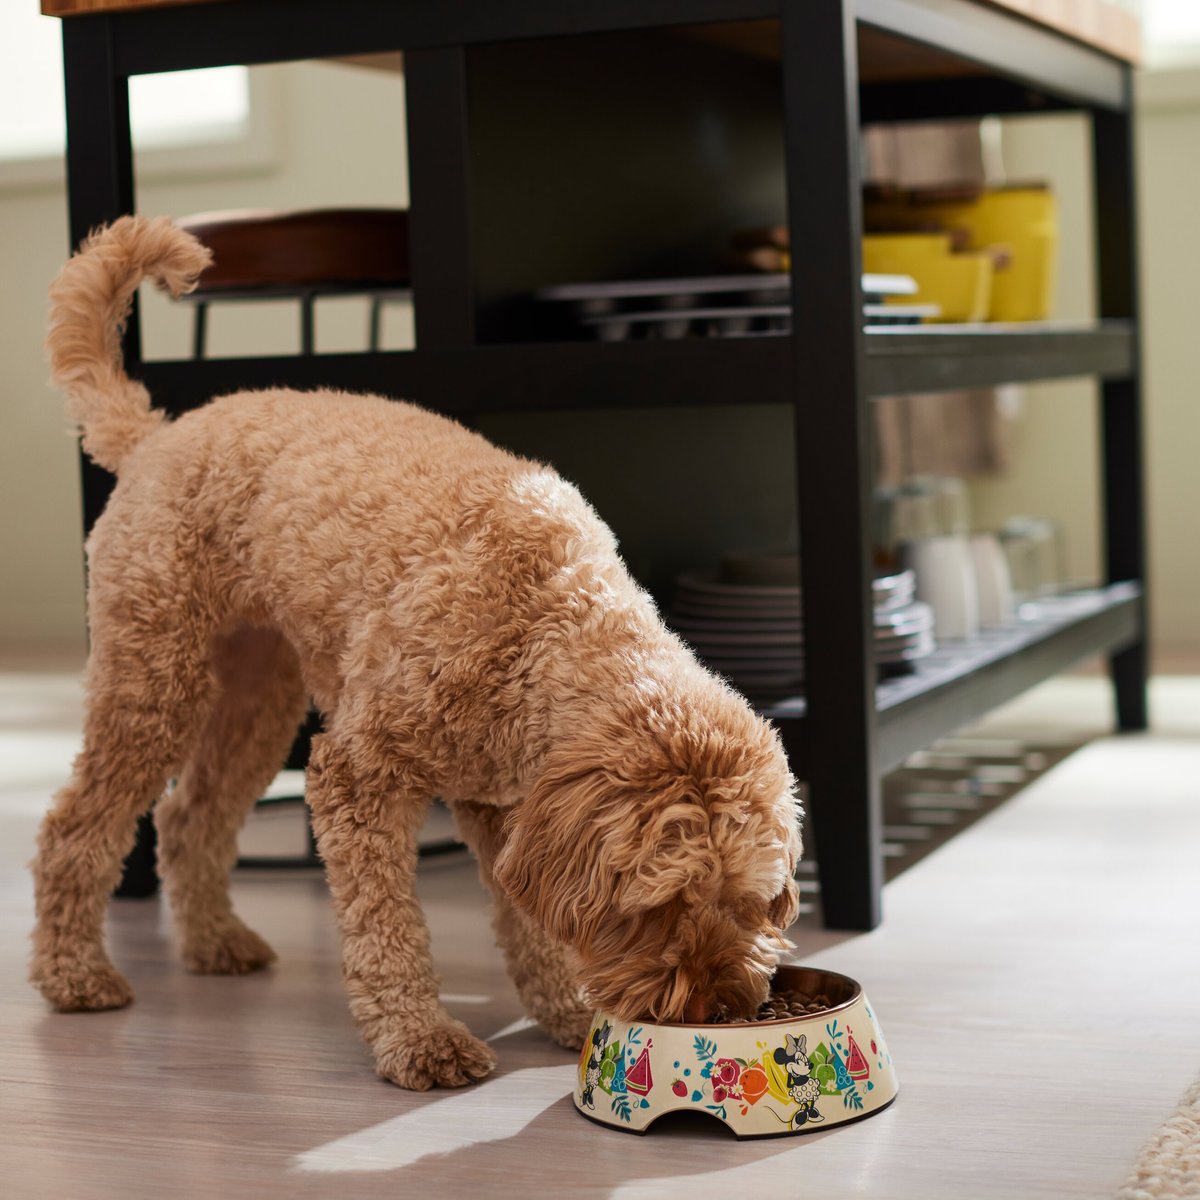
{"type": "Point", "coordinates": [465, 625]}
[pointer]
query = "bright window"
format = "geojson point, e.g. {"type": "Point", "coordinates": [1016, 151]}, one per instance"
{"type": "Point", "coordinates": [186, 108]}
{"type": "Point", "coordinates": [1171, 29]}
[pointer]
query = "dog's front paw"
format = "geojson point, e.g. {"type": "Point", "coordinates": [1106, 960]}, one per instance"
{"type": "Point", "coordinates": [231, 950]}
{"type": "Point", "coordinates": [444, 1055]}
{"type": "Point", "coordinates": [75, 986]}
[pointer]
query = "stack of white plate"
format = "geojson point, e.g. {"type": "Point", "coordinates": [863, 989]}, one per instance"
{"type": "Point", "coordinates": [903, 624]}
{"type": "Point", "coordinates": [744, 622]}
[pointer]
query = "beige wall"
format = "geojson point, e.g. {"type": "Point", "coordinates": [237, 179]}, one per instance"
{"type": "Point", "coordinates": [1169, 163]}
{"type": "Point", "coordinates": [1055, 439]}
{"type": "Point", "coordinates": [1054, 447]}
{"type": "Point", "coordinates": [339, 139]}
{"type": "Point", "coordinates": [41, 579]}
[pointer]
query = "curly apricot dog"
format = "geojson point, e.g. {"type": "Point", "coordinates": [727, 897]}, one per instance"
{"type": "Point", "coordinates": [463, 621]}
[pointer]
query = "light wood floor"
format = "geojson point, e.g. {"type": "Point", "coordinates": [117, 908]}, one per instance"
{"type": "Point", "coordinates": [1038, 980]}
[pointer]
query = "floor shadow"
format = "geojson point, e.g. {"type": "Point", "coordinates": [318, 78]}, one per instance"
{"type": "Point", "coordinates": [683, 1148]}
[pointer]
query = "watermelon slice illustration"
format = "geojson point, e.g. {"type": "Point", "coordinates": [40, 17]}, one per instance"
{"type": "Point", "coordinates": [856, 1065]}
{"type": "Point", "coordinates": [638, 1078]}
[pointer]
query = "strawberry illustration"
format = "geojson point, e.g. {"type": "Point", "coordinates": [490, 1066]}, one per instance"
{"type": "Point", "coordinates": [679, 1088]}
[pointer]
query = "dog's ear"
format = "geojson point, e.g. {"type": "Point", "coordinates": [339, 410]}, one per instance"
{"type": "Point", "coordinates": [669, 855]}
{"type": "Point", "coordinates": [615, 828]}
{"type": "Point", "coordinates": [704, 849]}
{"type": "Point", "coordinates": [592, 844]}
{"type": "Point", "coordinates": [785, 908]}
{"type": "Point", "coordinates": [551, 865]}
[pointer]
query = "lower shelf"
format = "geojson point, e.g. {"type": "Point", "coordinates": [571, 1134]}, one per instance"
{"type": "Point", "coordinates": [963, 681]}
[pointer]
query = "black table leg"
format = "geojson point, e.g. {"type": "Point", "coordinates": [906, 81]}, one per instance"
{"type": "Point", "coordinates": [100, 189]}
{"type": "Point", "coordinates": [1121, 399]}
{"type": "Point", "coordinates": [833, 457]}
{"type": "Point", "coordinates": [441, 251]}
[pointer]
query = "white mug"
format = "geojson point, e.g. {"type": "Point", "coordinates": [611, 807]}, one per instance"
{"type": "Point", "coordinates": [992, 580]}
{"type": "Point", "coordinates": [945, 574]}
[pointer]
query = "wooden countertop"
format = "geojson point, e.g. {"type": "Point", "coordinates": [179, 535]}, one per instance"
{"type": "Point", "coordinates": [1110, 25]}
{"type": "Point", "coordinates": [70, 8]}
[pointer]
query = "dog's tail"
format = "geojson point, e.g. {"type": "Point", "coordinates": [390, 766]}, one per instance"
{"type": "Point", "coordinates": [89, 305]}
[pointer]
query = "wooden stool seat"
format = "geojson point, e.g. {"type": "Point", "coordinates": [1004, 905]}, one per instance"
{"type": "Point", "coordinates": [264, 254]}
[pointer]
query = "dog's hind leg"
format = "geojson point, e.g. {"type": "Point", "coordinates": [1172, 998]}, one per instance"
{"type": "Point", "coordinates": [368, 801]}
{"type": "Point", "coordinates": [260, 704]}
{"type": "Point", "coordinates": [148, 690]}
{"type": "Point", "coordinates": [543, 971]}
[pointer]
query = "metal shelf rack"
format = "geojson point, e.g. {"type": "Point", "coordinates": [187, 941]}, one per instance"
{"type": "Point", "coordinates": [976, 59]}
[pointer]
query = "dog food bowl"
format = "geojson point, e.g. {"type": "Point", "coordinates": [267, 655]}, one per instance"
{"type": "Point", "coordinates": [787, 1075]}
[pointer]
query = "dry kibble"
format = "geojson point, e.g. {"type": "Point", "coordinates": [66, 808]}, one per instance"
{"type": "Point", "coordinates": [784, 1005]}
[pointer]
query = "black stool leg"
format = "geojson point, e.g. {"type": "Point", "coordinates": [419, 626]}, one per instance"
{"type": "Point", "coordinates": [307, 305]}
{"type": "Point", "coordinates": [140, 877]}
{"type": "Point", "coordinates": [376, 322]}
{"type": "Point", "coordinates": [200, 330]}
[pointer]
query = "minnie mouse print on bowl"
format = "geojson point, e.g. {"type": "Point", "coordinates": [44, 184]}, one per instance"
{"type": "Point", "coordinates": [815, 1057]}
